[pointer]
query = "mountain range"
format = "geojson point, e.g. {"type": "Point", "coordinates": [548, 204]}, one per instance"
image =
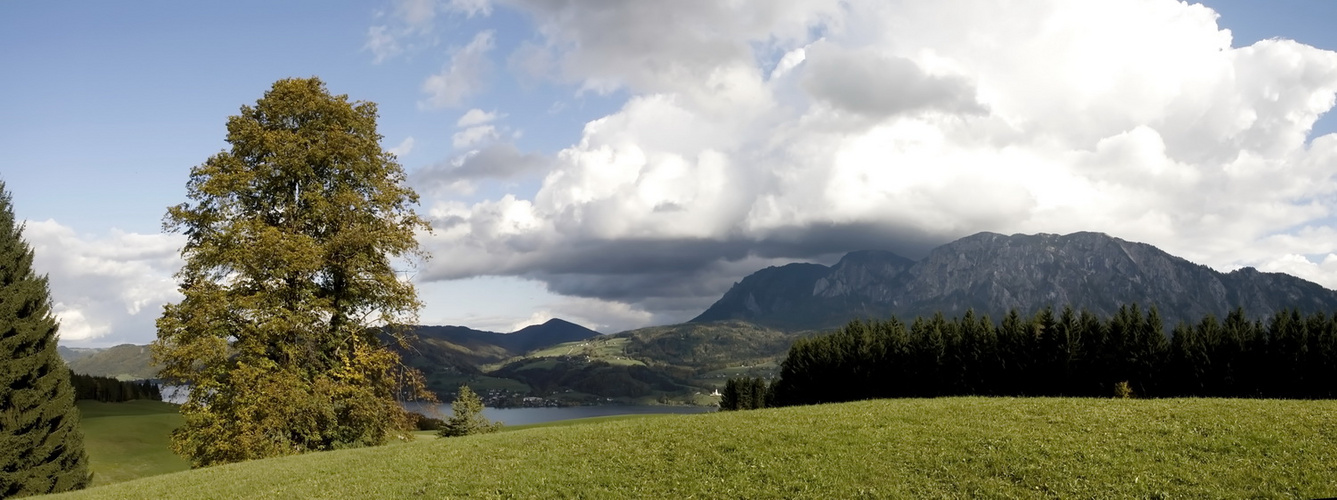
{"type": "Point", "coordinates": [749, 329]}
{"type": "Point", "coordinates": [993, 273]}
{"type": "Point", "coordinates": [451, 355]}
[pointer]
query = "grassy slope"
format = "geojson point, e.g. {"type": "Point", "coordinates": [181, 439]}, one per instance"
{"type": "Point", "coordinates": [129, 440]}
{"type": "Point", "coordinates": [953, 447]}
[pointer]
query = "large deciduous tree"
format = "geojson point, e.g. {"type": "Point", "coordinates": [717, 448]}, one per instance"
{"type": "Point", "coordinates": [41, 446]}
{"type": "Point", "coordinates": [288, 284]}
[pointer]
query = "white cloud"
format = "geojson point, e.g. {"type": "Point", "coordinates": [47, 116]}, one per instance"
{"type": "Point", "coordinates": [473, 136]}
{"type": "Point", "coordinates": [463, 77]}
{"type": "Point", "coordinates": [790, 60]}
{"type": "Point", "coordinates": [662, 46]}
{"type": "Point", "coordinates": [106, 289]}
{"type": "Point", "coordinates": [404, 148]}
{"type": "Point", "coordinates": [477, 117]}
{"type": "Point", "coordinates": [907, 125]}
{"type": "Point", "coordinates": [1323, 272]}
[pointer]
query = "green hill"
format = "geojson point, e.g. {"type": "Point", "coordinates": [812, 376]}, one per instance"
{"type": "Point", "coordinates": [910, 448]}
{"type": "Point", "coordinates": [124, 362]}
{"type": "Point", "coordinates": [675, 363]}
{"type": "Point", "coordinates": [72, 353]}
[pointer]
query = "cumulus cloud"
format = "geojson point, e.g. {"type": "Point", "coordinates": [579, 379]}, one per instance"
{"type": "Point", "coordinates": [473, 136]}
{"type": "Point", "coordinates": [1322, 271]}
{"type": "Point", "coordinates": [476, 117]}
{"type": "Point", "coordinates": [476, 129]}
{"type": "Point", "coordinates": [482, 156]}
{"type": "Point", "coordinates": [662, 46]}
{"type": "Point", "coordinates": [757, 133]}
{"type": "Point", "coordinates": [493, 161]}
{"type": "Point", "coordinates": [463, 77]}
{"type": "Point", "coordinates": [868, 83]}
{"type": "Point", "coordinates": [106, 289]}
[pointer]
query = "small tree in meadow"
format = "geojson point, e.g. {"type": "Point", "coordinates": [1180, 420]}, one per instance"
{"type": "Point", "coordinates": [1123, 390]}
{"type": "Point", "coordinates": [467, 417]}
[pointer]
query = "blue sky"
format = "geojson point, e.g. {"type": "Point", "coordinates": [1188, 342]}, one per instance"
{"type": "Point", "coordinates": [621, 165]}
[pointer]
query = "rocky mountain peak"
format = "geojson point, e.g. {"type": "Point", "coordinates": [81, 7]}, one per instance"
{"type": "Point", "coordinates": [994, 273]}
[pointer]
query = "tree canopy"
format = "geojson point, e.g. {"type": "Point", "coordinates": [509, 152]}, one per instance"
{"type": "Point", "coordinates": [41, 446]}
{"type": "Point", "coordinates": [289, 281]}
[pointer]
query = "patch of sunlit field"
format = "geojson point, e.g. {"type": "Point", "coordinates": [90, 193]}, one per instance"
{"type": "Point", "coordinates": [129, 440]}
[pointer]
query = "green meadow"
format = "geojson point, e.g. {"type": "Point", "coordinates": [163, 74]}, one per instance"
{"type": "Point", "coordinates": [129, 440]}
{"type": "Point", "coordinates": [905, 448]}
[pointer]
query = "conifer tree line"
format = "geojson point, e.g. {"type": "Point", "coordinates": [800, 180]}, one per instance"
{"type": "Point", "coordinates": [747, 393]}
{"type": "Point", "coordinates": [1071, 353]}
{"type": "Point", "coordinates": [110, 390]}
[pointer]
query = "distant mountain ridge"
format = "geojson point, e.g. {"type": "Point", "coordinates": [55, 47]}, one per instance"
{"type": "Point", "coordinates": [122, 362]}
{"type": "Point", "coordinates": [453, 349]}
{"type": "Point", "coordinates": [993, 273]}
{"type": "Point", "coordinates": [557, 360]}
{"type": "Point", "coordinates": [554, 331]}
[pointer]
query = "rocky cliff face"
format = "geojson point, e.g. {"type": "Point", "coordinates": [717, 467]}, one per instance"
{"type": "Point", "coordinates": [993, 273]}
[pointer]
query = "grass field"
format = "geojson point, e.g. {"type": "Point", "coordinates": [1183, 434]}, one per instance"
{"type": "Point", "coordinates": [915, 448]}
{"type": "Point", "coordinates": [129, 440]}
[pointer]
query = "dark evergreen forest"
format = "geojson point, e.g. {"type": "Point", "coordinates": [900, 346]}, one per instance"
{"type": "Point", "coordinates": [110, 390]}
{"type": "Point", "coordinates": [1070, 353]}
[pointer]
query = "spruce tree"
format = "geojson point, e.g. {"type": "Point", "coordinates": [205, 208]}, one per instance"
{"type": "Point", "coordinates": [729, 398]}
{"type": "Point", "coordinates": [41, 446]}
{"type": "Point", "coordinates": [467, 417]}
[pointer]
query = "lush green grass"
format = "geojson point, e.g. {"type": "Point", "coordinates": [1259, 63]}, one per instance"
{"type": "Point", "coordinates": [951, 447]}
{"type": "Point", "coordinates": [129, 440]}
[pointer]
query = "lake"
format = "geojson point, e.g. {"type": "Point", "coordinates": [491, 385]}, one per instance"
{"type": "Point", "coordinates": [523, 416]}
{"type": "Point", "coordinates": [519, 416]}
